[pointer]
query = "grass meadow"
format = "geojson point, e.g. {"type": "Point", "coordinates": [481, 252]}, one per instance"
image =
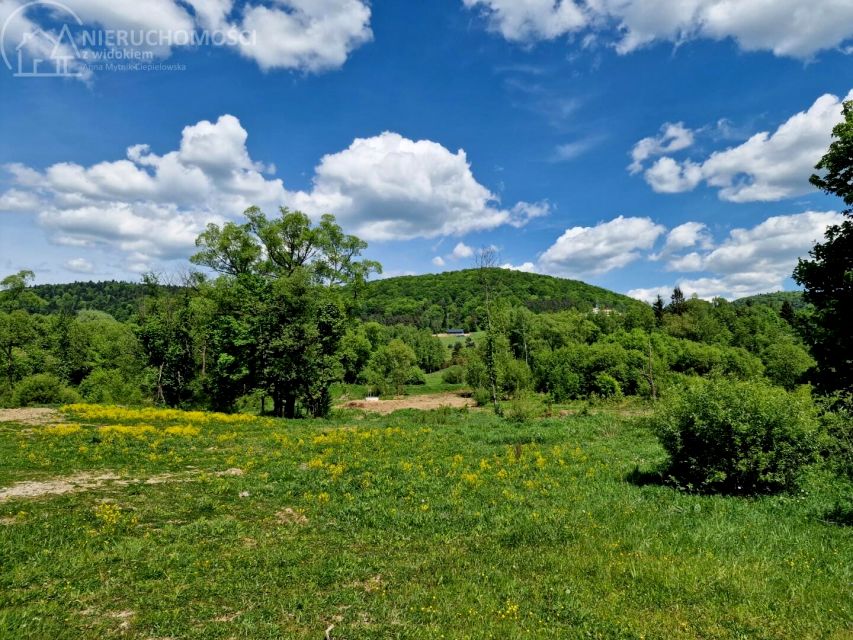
{"type": "Point", "coordinates": [439, 524]}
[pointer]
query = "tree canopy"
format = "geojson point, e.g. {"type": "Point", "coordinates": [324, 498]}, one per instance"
{"type": "Point", "coordinates": [827, 277]}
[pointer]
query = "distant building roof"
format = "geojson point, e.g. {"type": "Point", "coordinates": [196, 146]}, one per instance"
{"type": "Point", "coordinates": [456, 331]}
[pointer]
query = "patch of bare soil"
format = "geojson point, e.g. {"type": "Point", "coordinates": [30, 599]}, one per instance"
{"type": "Point", "coordinates": [371, 584]}
{"type": "Point", "coordinates": [29, 415]}
{"type": "Point", "coordinates": [423, 402]}
{"type": "Point", "coordinates": [78, 482]}
{"type": "Point", "coordinates": [290, 516]}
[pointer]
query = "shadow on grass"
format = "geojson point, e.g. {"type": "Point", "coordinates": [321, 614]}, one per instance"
{"type": "Point", "coordinates": [644, 478]}
{"type": "Point", "coordinates": [841, 514]}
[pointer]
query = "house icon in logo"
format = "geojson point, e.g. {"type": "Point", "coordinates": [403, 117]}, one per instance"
{"type": "Point", "coordinates": [59, 50]}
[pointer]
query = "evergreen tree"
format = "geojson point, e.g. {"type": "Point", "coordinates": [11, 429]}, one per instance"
{"type": "Point", "coordinates": [677, 301]}
{"type": "Point", "coordinates": [658, 307]}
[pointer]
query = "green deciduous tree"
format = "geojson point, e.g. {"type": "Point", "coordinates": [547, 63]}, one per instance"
{"type": "Point", "coordinates": [827, 278]}
{"type": "Point", "coordinates": [391, 367]}
{"type": "Point", "coordinates": [276, 317]}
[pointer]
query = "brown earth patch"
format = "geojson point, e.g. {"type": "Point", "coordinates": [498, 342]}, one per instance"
{"type": "Point", "coordinates": [424, 402]}
{"type": "Point", "coordinates": [29, 415]}
{"type": "Point", "coordinates": [290, 516]}
{"type": "Point", "coordinates": [78, 482]}
{"type": "Point", "coordinates": [233, 471]}
{"type": "Point", "coordinates": [371, 584]}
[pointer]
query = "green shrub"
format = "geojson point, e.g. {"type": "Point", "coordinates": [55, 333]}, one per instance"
{"type": "Point", "coordinates": [43, 388]}
{"type": "Point", "coordinates": [475, 373]}
{"type": "Point", "coordinates": [515, 376]}
{"type": "Point", "coordinates": [606, 386]}
{"type": "Point", "coordinates": [737, 437]}
{"type": "Point", "coordinates": [453, 375]}
{"type": "Point", "coordinates": [837, 418]}
{"type": "Point", "coordinates": [107, 387]}
{"type": "Point", "coordinates": [523, 407]}
{"type": "Point", "coordinates": [391, 367]}
{"type": "Point", "coordinates": [556, 374]}
{"type": "Point", "coordinates": [482, 396]}
{"type": "Point", "coordinates": [785, 363]}
{"type": "Point", "coordinates": [416, 376]}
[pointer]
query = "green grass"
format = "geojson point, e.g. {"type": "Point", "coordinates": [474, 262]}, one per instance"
{"type": "Point", "coordinates": [448, 524]}
{"type": "Point", "coordinates": [476, 336]}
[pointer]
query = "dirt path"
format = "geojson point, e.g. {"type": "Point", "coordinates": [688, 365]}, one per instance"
{"type": "Point", "coordinates": [29, 415]}
{"type": "Point", "coordinates": [424, 402]}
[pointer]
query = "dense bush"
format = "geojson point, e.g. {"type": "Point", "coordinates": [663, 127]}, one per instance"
{"type": "Point", "coordinates": [785, 363]}
{"type": "Point", "coordinates": [453, 375]}
{"type": "Point", "coordinates": [482, 396]}
{"type": "Point", "coordinates": [392, 367]}
{"type": "Point", "coordinates": [515, 376]}
{"type": "Point", "coordinates": [837, 418]}
{"type": "Point", "coordinates": [606, 386]}
{"type": "Point", "coordinates": [107, 387]}
{"type": "Point", "coordinates": [416, 376]}
{"type": "Point", "coordinates": [43, 388]}
{"type": "Point", "coordinates": [523, 407]}
{"type": "Point", "coordinates": [737, 437]}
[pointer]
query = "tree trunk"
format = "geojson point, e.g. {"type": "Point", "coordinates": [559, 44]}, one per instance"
{"type": "Point", "coordinates": [290, 406]}
{"type": "Point", "coordinates": [277, 405]}
{"type": "Point", "coordinates": [160, 394]}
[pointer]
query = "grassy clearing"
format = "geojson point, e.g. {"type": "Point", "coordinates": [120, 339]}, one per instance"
{"type": "Point", "coordinates": [449, 341]}
{"type": "Point", "coordinates": [416, 525]}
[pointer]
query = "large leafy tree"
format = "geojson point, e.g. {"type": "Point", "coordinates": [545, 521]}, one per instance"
{"type": "Point", "coordinates": [827, 277]}
{"type": "Point", "coordinates": [276, 314]}
{"type": "Point", "coordinates": [16, 324]}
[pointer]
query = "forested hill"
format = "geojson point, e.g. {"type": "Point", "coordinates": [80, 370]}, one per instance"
{"type": "Point", "coordinates": [119, 299]}
{"type": "Point", "coordinates": [775, 299]}
{"type": "Point", "coordinates": [437, 301]}
{"type": "Point", "coordinates": [451, 299]}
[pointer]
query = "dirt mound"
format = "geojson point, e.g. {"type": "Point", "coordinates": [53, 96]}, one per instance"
{"type": "Point", "coordinates": [29, 415]}
{"type": "Point", "coordinates": [424, 402]}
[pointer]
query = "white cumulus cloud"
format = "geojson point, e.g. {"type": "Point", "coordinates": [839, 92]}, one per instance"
{"type": "Point", "coordinates": [768, 166]}
{"type": "Point", "coordinates": [750, 260]}
{"type": "Point", "coordinates": [525, 267]}
{"type": "Point", "coordinates": [529, 20]}
{"type": "Point", "coordinates": [582, 251]}
{"type": "Point", "coordinates": [389, 187]}
{"type": "Point", "coordinates": [672, 137]}
{"type": "Point", "coordinates": [462, 250]}
{"type": "Point", "coordinates": [151, 207]}
{"type": "Point", "coordinates": [79, 265]}
{"type": "Point", "coordinates": [794, 28]}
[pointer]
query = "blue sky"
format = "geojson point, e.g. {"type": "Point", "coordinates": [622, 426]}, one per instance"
{"type": "Point", "coordinates": [631, 144]}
